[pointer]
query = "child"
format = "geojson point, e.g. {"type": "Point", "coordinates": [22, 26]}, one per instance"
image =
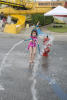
{"type": "Point", "coordinates": [46, 51]}
{"type": "Point", "coordinates": [46, 39]}
{"type": "Point", "coordinates": [33, 45]}
{"type": "Point", "coordinates": [46, 43]}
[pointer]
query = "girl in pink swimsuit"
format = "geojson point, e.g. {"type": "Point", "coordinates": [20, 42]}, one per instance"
{"type": "Point", "coordinates": [33, 45]}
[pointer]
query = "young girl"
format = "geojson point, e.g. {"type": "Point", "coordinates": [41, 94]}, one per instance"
{"type": "Point", "coordinates": [33, 45]}
{"type": "Point", "coordinates": [47, 49]}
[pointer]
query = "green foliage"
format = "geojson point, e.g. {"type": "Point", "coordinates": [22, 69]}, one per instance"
{"type": "Point", "coordinates": [44, 20]}
{"type": "Point", "coordinates": [48, 20]}
{"type": "Point", "coordinates": [58, 29]}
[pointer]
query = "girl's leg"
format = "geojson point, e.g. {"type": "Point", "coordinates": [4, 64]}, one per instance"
{"type": "Point", "coordinates": [31, 51]}
{"type": "Point", "coordinates": [33, 54]}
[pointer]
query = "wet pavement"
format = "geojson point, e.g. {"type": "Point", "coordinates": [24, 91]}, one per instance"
{"type": "Point", "coordinates": [46, 80]}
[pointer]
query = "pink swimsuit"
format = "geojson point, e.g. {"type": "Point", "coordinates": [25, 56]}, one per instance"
{"type": "Point", "coordinates": [33, 42]}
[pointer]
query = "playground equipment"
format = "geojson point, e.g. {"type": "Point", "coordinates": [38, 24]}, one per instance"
{"type": "Point", "coordinates": [20, 7]}
{"type": "Point", "coordinates": [14, 3]}
{"type": "Point", "coordinates": [15, 28]}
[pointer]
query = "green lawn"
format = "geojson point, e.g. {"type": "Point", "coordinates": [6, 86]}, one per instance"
{"type": "Point", "coordinates": [59, 29]}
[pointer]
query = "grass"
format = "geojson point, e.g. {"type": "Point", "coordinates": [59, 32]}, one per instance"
{"type": "Point", "coordinates": [59, 29]}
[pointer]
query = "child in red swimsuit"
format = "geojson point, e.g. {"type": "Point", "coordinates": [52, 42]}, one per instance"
{"type": "Point", "coordinates": [47, 49]}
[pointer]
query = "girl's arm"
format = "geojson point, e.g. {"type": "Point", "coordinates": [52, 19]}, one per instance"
{"type": "Point", "coordinates": [28, 39]}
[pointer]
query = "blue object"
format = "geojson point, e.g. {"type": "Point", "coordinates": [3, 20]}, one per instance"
{"type": "Point", "coordinates": [39, 32]}
{"type": "Point", "coordinates": [37, 26]}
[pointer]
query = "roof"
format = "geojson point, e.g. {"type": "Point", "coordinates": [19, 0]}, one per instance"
{"type": "Point", "coordinates": [57, 11]}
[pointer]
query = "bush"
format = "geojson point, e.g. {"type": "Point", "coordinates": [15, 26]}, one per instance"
{"type": "Point", "coordinates": [48, 20]}
{"type": "Point", "coordinates": [44, 20]}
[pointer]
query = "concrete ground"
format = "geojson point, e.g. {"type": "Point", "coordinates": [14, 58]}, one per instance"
{"type": "Point", "coordinates": [46, 80]}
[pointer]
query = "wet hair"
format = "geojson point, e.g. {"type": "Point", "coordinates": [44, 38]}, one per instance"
{"type": "Point", "coordinates": [47, 36]}
{"type": "Point", "coordinates": [34, 30]}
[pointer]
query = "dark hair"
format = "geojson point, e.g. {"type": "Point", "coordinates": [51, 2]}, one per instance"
{"type": "Point", "coordinates": [34, 30]}
{"type": "Point", "coordinates": [47, 36]}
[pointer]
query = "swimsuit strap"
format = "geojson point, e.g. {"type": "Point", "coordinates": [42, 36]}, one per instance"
{"type": "Point", "coordinates": [33, 37]}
